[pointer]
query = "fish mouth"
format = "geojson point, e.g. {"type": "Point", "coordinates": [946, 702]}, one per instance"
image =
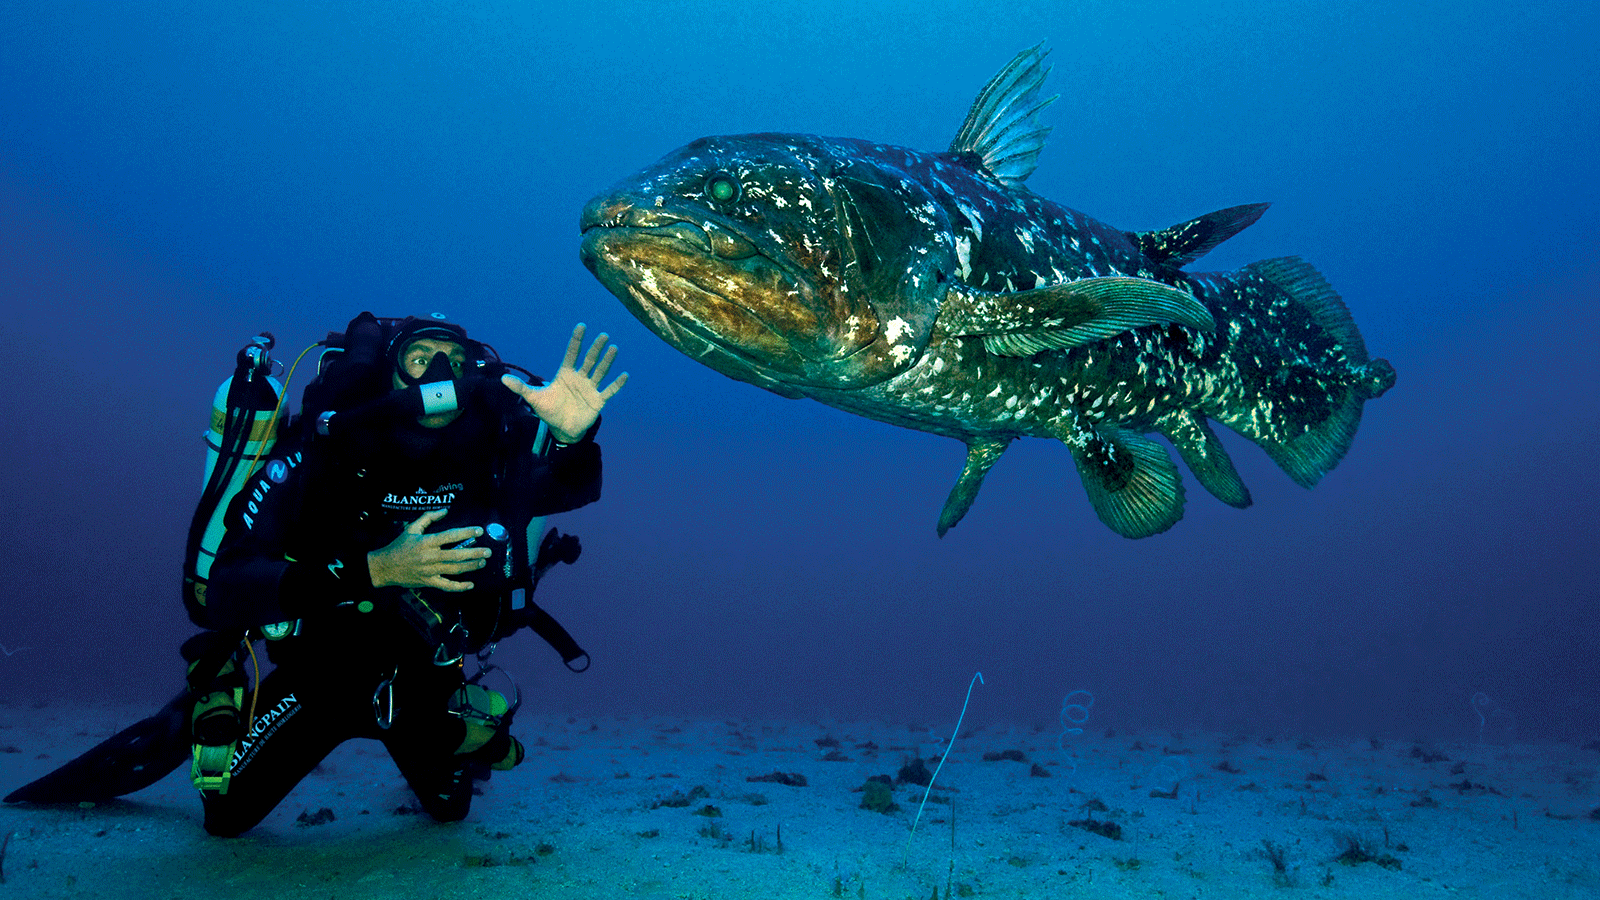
{"type": "Point", "coordinates": [703, 287]}
{"type": "Point", "coordinates": [703, 233]}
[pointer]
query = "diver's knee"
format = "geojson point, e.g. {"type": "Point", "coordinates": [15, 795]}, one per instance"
{"type": "Point", "coordinates": [224, 827]}
{"type": "Point", "coordinates": [450, 812]}
{"type": "Point", "coordinates": [448, 808]}
{"type": "Point", "coordinates": [500, 752]}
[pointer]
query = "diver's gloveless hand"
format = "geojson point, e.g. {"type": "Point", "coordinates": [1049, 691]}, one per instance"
{"type": "Point", "coordinates": [417, 559]}
{"type": "Point", "coordinates": [572, 400]}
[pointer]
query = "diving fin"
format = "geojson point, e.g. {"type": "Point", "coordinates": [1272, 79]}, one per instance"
{"type": "Point", "coordinates": [130, 760]}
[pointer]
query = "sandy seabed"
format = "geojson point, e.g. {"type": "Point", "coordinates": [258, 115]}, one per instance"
{"type": "Point", "coordinates": [658, 807]}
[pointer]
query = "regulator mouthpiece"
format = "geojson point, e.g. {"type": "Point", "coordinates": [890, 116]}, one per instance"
{"type": "Point", "coordinates": [438, 387]}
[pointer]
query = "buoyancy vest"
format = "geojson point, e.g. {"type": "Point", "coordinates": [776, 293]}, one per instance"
{"type": "Point", "coordinates": [377, 469]}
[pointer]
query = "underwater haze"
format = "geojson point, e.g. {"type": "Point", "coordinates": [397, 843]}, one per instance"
{"type": "Point", "coordinates": [176, 177]}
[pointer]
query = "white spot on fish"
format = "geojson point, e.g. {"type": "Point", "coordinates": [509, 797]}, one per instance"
{"type": "Point", "coordinates": [976, 218]}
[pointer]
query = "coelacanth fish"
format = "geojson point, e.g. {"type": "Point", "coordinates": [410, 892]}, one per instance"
{"type": "Point", "coordinates": [936, 292]}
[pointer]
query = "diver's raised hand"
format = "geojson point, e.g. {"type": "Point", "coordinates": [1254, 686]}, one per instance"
{"type": "Point", "coordinates": [572, 400]}
{"type": "Point", "coordinates": [417, 559]}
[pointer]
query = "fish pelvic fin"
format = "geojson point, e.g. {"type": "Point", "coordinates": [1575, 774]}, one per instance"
{"type": "Point", "coordinates": [981, 457]}
{"type": "Point", "coordinates": [1068, 315]}
{"type": "Point", "coordinates": [1132, 482]}
{"type": "Point", "coordinates": [1183, 244]}
{"type": "Point", "coordinates": [1203, 453]}
{"type": "Point", "coordinates": [1310, 455]}
{"type": "Point", "coordinates": [1001, 129]}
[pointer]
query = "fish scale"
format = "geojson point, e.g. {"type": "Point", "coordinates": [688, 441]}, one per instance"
{"type": "Point", "coordinates": [936, 292]}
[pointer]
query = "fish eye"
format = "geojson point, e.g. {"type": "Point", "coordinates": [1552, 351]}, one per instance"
{"type": "Point", "coordinates": [722, 188]}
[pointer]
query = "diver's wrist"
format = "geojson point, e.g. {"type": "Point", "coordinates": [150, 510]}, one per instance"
{"type": "Point", "coordinates": [376, 573]}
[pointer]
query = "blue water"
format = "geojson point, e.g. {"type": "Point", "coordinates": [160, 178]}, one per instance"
{"type": "Point", "coordinates": [176, 177]}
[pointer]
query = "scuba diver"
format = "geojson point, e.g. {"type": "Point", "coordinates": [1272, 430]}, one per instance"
{"type": "Point", "coordinates": [389, 540]}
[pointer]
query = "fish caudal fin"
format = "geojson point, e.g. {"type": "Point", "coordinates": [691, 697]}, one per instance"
{"type": "Point", "coordinates": [1306, 285]}
{"type": "Point", "coordinates": [1000, 128]}
{"type": "Point", "coordinates": [1306, 457]}
{"type": "Point", "coordinates": [1132, 482]}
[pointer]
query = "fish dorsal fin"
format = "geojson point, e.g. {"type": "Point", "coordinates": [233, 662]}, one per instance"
{"type": "Point", "coordinates": [1001, 129]}
{"type": "Point", "coordinates": [1183, 244]}
{"type": "Point", "coordinates": [1067, 315]}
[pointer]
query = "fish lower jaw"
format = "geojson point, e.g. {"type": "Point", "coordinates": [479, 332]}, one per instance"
{"type": "Point", "coordinates": [665, 301]}
{"type": "Point", "coordinates": [708, 239]}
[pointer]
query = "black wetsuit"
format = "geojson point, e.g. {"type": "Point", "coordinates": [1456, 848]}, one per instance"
{"type": "Point", "coordinates": [295, 552]}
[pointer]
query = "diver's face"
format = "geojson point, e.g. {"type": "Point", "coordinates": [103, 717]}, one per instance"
{"type": "Point", "coordinates": [414, 360]}
{"type": "Point", "coordinates": [420, 352]}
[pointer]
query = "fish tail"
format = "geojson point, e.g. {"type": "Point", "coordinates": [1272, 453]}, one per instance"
{"type": "Point", "coordinates": [1325, 438]}
{"type": "Point", "coordinates": [1374, 377]}
{"type": "Point", "coordinates": [1302, 282]}
{"type": "Point", "coordinates": [1313, 454]}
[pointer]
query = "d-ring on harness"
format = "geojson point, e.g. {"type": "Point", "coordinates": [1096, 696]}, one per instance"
{"type": "Point", "coordinates": [383, 706]}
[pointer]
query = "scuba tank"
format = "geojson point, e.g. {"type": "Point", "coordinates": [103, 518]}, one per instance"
{"type": "Point", "coordinates": [244, 429]}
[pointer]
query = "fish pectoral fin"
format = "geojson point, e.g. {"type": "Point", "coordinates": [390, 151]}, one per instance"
{"type": "Point", "coordinates": [1068, 315]}
{"type": "Point", "coordinates": [980, 457]}
{"type": "Point", "coordinates": [1183, 244]}
{"type": "Point", "coordinates": [1205, 456]}
{"type": "Point", "coordinates": [1132, 482]}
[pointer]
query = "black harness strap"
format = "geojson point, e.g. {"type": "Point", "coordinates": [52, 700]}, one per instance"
{"type": "Point", "coordinates": [544, 625]}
